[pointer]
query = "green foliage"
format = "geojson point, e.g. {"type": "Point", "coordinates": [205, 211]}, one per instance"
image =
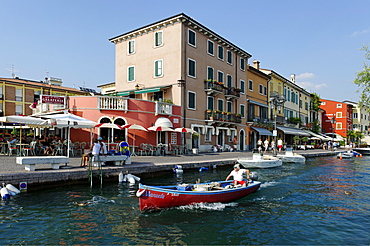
{"type": "Point", "coordinates": [316, 102]}
{"type": "Point", "coordinates": [295, 120]}
{"type": "Point", "coordinates": [363, 80]}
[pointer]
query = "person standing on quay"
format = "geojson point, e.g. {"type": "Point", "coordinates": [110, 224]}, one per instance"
{"type": "Point", "coordinates": [266, 145]}
{"type": "Point", "coordinates": [259, 145]}
{"type": "Point", "coordinates": [280, 144]}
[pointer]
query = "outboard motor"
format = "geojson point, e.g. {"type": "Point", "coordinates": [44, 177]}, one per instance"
{"type": "Point", "coordinates": [253, 176]}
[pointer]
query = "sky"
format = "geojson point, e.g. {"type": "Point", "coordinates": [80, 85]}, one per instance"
{"type": "Point", "coordinates": [318, 41]}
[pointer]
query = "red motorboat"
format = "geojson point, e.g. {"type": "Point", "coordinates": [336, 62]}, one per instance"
{"type": "Point", "coordinates": [160, 197]}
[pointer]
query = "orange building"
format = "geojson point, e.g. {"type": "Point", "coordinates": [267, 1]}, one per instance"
{"type": "Point", "coordinates": [336, 118]}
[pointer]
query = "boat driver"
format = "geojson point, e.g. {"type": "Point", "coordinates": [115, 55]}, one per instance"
{"type": "Point", "coordinates": [237, 173]}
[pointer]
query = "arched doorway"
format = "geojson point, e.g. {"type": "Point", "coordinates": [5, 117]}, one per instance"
{"type": "Point", "coordinates": [242, 140]}
{"type": "Point", "coordinates": [111, 134]}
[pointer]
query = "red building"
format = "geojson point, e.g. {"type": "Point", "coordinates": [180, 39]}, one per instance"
{"type": "Point", "coordinates": [337, 117]}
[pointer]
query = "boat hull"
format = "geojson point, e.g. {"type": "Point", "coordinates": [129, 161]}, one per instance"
{"type": "Point", "coordinates": [252, 163]}
{"type": "Point", "coordinates": [363, 151]}
{"type": "Point", "coordinates": [292, 159]}
{"type": "Point", "coordinates": [160, 197]}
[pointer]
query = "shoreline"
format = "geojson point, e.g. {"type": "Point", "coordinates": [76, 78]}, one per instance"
{"type": "Point", "coordinates": [12, 173]}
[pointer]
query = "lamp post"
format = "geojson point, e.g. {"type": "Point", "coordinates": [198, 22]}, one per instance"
{"type": "Point", "coordinates": [277, 102]}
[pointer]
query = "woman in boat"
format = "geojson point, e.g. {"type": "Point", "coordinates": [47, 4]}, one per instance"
{"type": "Point", "coordinates": [238, 173]}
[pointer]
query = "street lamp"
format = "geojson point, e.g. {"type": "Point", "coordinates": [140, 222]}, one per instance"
{"type": "Point", "coordinates": [277, 102]}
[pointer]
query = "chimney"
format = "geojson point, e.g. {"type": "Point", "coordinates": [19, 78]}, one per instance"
{"type": "Point", "coordinates": [256, 64]}
{"type": "Point", "coordinates": [292, 78]}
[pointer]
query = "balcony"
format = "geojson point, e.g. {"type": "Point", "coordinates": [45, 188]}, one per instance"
{"type": "Point", "coordinates": [216, 115]}
{"type": "Point", "coordinates": [213, 87]}
{"type": "Point", "coordinates": [232, 93]}
{"type": "Point", "coordinates": [112, 103]}
{"type": "Point", "coordinates": [163, 108]}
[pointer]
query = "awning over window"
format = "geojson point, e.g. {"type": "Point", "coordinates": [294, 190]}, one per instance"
{"type": "Point", "coordinates": [165, 122]}
{"type": "Point", "coordinates": [262, 131]}
{"type": "Point", "coordinates": [317, 135]}
{"type": "Point", "coordinates": [293, 131]}
{"type": "Point", "coordinates": [218, 128]}
{"type": "Point", "coordinates": [202, 127]}
{"type": "Point", "coordinates": [122, 94]}
{"type": "Point", "coordinates": [148, 90]}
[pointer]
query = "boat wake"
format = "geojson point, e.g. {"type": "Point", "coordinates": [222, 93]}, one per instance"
{"type": "Point", "coordinates": [217, 206]}
{"type": "Point", "coordinates": [268, 184]}
{"type": "Point", "coordinates": [95, 200]}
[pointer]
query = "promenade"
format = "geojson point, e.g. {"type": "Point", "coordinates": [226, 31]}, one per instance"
{"type": "Point", "coordinates": [13, 173]}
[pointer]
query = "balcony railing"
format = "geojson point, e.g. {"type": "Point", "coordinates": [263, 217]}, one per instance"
{"type": "Point", "coordinates": [216, 115]}
{"type": "Point", "coordinates": [232, 93]}
{"type": "Point", "coordinates": [112, 103]}
{"type": "Point", "coordinates": [163, 108]}
{"type": "Point", "coordinates": [213, 87]}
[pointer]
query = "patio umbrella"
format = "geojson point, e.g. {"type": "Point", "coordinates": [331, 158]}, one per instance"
{"type": "Point", "coordinates": [70, 121]}
{"type": "Point", "coordinates": [26, 120]}
{"type": "Point", "coordinates": [134, 127]}
{"type": "Point", "coordinates": [183, 129]}
{"type": "Point", "coordinates": [109, 125]}
{"type": "Point", "coordinates": [160, 129]}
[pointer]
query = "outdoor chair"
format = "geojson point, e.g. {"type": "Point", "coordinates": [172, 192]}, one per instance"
{"type": "Point", "coordinates": [30, 149]}
{"type": "Point", "coordinates": [141, 149]}
{"type": "Point", "coordinates": [59, 149]}
{"type": "Point", "coordinates": [12, 148]}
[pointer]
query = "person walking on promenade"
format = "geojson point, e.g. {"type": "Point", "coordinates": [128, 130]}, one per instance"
{"type": "Point", "coordinates": [238, 173]}
{"type": "Point", "coordinates": [266, 145]}
{"type": "Point", "coordinates": [273, 146]}
{"type": "Point", "coordinates": [259, 145]}
{"type": "Point", "coordinates": [280, 144]}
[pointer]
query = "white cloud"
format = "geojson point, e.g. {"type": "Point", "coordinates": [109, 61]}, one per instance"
{"type": "Point", "coordinates": [311, 86]}
{"type": "Point", "coordinates": [304, 76]}
{"type": "Point", "coordinates": [357, 33]}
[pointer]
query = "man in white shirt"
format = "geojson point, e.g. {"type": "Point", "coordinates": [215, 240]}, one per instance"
{"type": "Point", "coordinates": [238, 173]}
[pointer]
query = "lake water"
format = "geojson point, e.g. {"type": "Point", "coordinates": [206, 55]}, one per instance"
{"type": "Point", "coordinates": [324, 201]}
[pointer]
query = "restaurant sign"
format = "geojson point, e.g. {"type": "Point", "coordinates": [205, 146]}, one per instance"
{"type": "Point", "coordinates": [52, 99]}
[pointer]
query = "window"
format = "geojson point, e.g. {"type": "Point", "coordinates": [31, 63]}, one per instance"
{"type": "Point", "coordinates": [339, 105]}
{"type": "Point", "coordinates": [18, 95]}
{"type": "Point", "coordinates": [211, 48]}
{"type": "Point", "coordinates": [131, 47]}
{"type": "Point", "coordinates": [229, 57]}
{"type": "Point", "coordinates": [221, 52]}
{"type": "Point", "coordinates": [192, 103]}
{"type": "Point", "coordinates": [208, 136]}
{"type": "Point", "coordinates": [220, 76]}
{"type": "Point", "coordinates": [306, 105]}
{"type": "Point", "coordinates": [260, 89]}
{"type": "Point", "coordinates": [18, 109]}
{"type": "Point", "coordinates": [242, 86]}
{"type": "Point", "coordinates": [265, 90]}
{"type": "Point", "coordinates": [220, 104]}
{"type": "Point", "coordinates": [355, 115]}
{"type": "Point", "coordinates": [158, 68]}
{"type": "Point", "coordinates": [229, 106]}
{"type": "Point", "coordinates": [242, 110]}
{"type": "Point", "coordinates": [300, 103]}
{"type": "Point", "coordinates": [229, 80]}
{"type": "Point", "coordinates": [250, 85]}
{"type": "Point", "coordinates": [210, 73]}
{"type": "Point", "coordinates": [192, 38]}
{"type": "Point", "coordinates": [158, 39]}
{"type": "Point", "coordinates": [192, 68]}
{"type": "Point", "coordinates": [131, 74]}
{"type": "Point", "coordinates": [210, 103]}
{"type": "Point", "coordinates": [339, 126]}
{"type": "Point", "coordinates": [339, 114]}
{"type": "Point", "coordinates": [242, 64]}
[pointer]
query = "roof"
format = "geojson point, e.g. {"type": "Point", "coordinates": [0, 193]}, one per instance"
{"type": "Point", "coordinates": [39, 84]}
{"type": "Point", "coordinates": [185, 19]}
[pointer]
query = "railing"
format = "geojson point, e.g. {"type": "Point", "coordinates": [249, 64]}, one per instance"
{"type": "Point", "coordinates": [163, 108]}
{"type": "Point", "coordinates": [232, 92]}
{"type": "Point", "coordinates": [212, 85]}
{"type": "Point", "coordinates": [112, 103]}
{"type": "Point", "coordinates": [216, 115]}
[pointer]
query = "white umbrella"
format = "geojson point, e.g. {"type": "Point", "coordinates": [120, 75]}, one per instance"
{"type": "Point", "coordinates": [70, 120]}
{"type": "Point", "coordinates": [109, 125]}
{"type": "Point", "coordinates": [134, 127]}
{"type": "Point", "coordinates": [183, 129]}
{"type": "Point", "coordinates": [26, 120]}
{"type": "Point", "coordinates": [160, 129]}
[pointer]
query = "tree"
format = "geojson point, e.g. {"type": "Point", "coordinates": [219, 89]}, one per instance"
{"type": "Point", "coordinates": [315, 106]}
{"type": "Point", "coordinates": [363, 80]}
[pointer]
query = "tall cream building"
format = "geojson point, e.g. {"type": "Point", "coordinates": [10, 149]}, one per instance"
{"type": "Point", "coordinates": [178, 60]}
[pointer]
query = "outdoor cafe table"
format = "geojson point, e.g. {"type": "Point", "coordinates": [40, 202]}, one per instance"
{"type": "Point", "coordinates": [21, 148]}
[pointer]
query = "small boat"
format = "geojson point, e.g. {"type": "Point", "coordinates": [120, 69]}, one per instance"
{"type": "Point", "coordinates": [363, 151]}
{"type": "Point", "coordinates": [153, 198]}
{"type": "Point", "coordinates": [260, 161]}
{"type": "Point", "coordinates": [349, 154]}
{"type": "Point", "coordinates": [291, 157]}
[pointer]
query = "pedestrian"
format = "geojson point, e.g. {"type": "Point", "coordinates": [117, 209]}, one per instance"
{"type": "Point", "coordinates": [95, 149]}
{"type": "Point", "coordinates": [329, 145]}
{"type": "Point", "coordinates": [238, 173]}
{"type": "Point", "coordinates": [273, 146]}
{"type": "Point", "coordinates": [259, 145]}
{"type": "Point", "coordinates": [266, 145]}
{"type": "Point", "coordinates": [280, 144]}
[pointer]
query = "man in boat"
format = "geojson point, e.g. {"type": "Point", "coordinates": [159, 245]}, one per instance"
{"type": "Point", "coordinates": [238, 173]}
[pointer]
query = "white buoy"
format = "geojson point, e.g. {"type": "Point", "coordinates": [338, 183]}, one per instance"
{"type": "Point", "coordinates": [120, 177]}
{"type": "Point", "coordinates": [4, 193]}
{"type": "Point", "coordinates": [178, 169]}
{"type": "Point", "coordinates": [130, 178]}
{"type": "Point", "coordinates": [12, 188]}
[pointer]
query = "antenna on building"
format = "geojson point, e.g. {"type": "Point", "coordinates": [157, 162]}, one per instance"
{"type": "Point", "coordinates": [13, 72]}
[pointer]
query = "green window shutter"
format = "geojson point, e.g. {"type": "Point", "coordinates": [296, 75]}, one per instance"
{"type": "Point", "coordinates": [242, 63]}
{"type": "Point", "coordinates": [210, 73]}
{"type": "Point", "coordinates": [210, 103]}
{"type": "Point", "coordinates": [131, 73]}
{"type": "Point", "coordinates": [192, 71]}
{"type": "Point", "coordinates": [192, 37]}
{"type": "Point", "coordinates": [158, 39]}
{"type": "Point", "coordinates": [242, 110]}
{"type": "Point", "coordinates": [158, 68]}
{"type": "Point", "coordinates": [191, 100]}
